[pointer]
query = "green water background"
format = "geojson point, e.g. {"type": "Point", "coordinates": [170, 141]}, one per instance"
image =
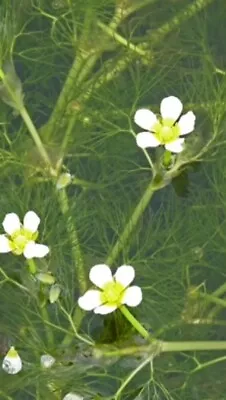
{"type": "Point", "coordinates": [178, 245]}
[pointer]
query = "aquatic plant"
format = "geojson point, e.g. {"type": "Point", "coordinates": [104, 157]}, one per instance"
{"type": "Point", "coordinates": [78, 78]}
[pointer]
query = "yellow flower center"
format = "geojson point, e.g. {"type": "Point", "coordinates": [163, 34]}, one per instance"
{"type": "Point", "coordinates": [19, 240]}
{"type": "Point", "coordinates": [112, 294]}
{"type": "Point", "coordinates": [166, 131]}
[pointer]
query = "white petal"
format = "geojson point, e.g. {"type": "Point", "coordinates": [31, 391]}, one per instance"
{"type": "Point", "coordinates": [125, 275]}
{"type": "Point", "coordinates": [171, 107]}
{"type": "Point", "coordinates": [145, 118]}
{"type": "Point", "coordinates": [132, 296]}
{"type": "Point", "coordinates": [31, 221]}
{"type": "Point", "coordinates": [11, 223]}
{"type": "Point", "coordinates": [33, 249]}
{"type": "Point", "coordinates": [176, 146]}
{"type": "Point", "coordinates": [72, 396]}
{"type": "Point", "coordinates": [12, 363]}
{"type": "Point", "coordinates": [147, 139]}
{"type": "Point", "coordinates": [4, 244]}
{"type": "Point", "coordinates": [46, 361]}
{"type": "Point", "coordinates": [100, 274]}
{"type": "Point", "coordinates": [104, 309]}
{"type": "Point", "coordinates": [187, 123]}
{"type": "Point", "coordinates": [90, 300]}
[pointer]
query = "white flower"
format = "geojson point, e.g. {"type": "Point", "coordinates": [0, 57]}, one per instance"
{"type": "Point", "coordinates": [21, 238]}
{"type": "Point", "coordinates": [12, 363]}
{"type": "Point", "coordinates": [47, 361]}
{"type": "Point", "coordinates": [72, 396]}
{"type": "Point", "coordinates": [114, 290]}
{"type": "Point", "coordinates": [167, 129]}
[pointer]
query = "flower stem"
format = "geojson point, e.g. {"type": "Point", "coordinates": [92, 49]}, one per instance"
{"type": "Point", "coordinates": [131, 224]}
{"type": "Point", "coordinates": [72, 232]}
{"type": "Point", "coordinates": [32, 266]}
{"type": "Point", "coordinates": [136, 324]}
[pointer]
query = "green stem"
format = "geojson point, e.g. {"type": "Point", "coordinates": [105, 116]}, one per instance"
{"type": "Point", "coordinates": [192, 9]}
{"type": "Point", "coordinates": [32, 266]}
{"type": "Point", "coordinates": [76, 318]}
{"type": "Point", "coordinates": [8, 279]}
{"type": "Point", "coordinates": [35, 136]}
{"type": "Point", "coordinates": [64, 98]}
{"type": "Point", "coordinates": [219, 291]}
{"type": "Point", "coordinates": [44, 313]}
{"type": "Point", "coordinates": [132, 223]}
{"type": "Point", "coordinates": [83, 63]}
{"type": "Point", "coordinates": [48, 330]}
{"type": "Point", "coordinates": [72, 232]}
{"type": "Point", "coordinates": [73, 327]}
{"type": "Point", "coordinates": [136, 324]}
{"type": "Point", "coordinates": [65, 141]}
{"type": "Point", "coordinates": [192, 346]}
{"type": "Point", "coordinates": [121, 40]}
{"type": "Point", "coordinates": [212, 299]}
{"type": "Point", "coordinates": [136, 6]}
{"type": "Point", "coordinates": [86, 59]}
{"type": "Point", "coordinates": [131, 376]}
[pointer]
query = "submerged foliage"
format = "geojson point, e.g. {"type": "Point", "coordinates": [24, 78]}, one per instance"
{"type": "Point", "coordinates": [73, 74]}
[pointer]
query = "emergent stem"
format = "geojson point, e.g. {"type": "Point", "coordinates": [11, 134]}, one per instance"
{"type": "Point", "coordinates": [134, 322]}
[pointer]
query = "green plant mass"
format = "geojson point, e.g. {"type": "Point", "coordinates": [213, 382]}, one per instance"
{"type": "Point", "coordinates": [113, 200]}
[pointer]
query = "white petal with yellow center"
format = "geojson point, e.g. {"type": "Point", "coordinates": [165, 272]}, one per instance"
{"type": "Point", "coordinates": [12, 363]}
{"type": "Point", "coordinates": [31, 221]}
{"type": "Point", "coordinates": [145, 118]}
{"type": "Point", "coordinates": [125, 275]}
{"type": "Point", "coordinates": [90, 300]}
{"type": "Point", "coordinates": [11, 223]}
{"type": "Point", "coordinates": [187, 123]}
{"type": "Point", "coordinates": [171, 107]}
{"type": "Point", "coordinates": [132, 296]}
{"type": "Point", "coordinates": [176, 146]}
{"type": "Point", "coordinates": [105, 309]}
{"type": "Point", "coordinates": [100, 274]}
{"type": "Point", "coordinates": [147, 139]}
{"type": "Point", "coordinates": [33, 249]}
{"type": "Point", "coordinates": [4, 244]}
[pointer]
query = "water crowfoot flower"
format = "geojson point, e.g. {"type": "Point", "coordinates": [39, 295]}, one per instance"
{"type": "Point", "coordinates": [12, 363]}
{"type": "Point", "coordinates": [167, 129]}
{"type": "Point", "coordinates": [20, 239]}
{"type": "Point", "coordinates": [114, 290]}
